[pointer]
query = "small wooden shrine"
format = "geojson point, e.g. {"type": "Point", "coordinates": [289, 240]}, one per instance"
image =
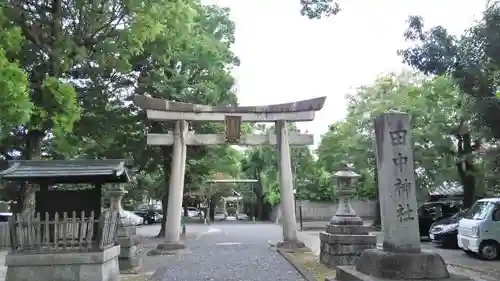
{"type": "Point", "coordinates": [67, 228]}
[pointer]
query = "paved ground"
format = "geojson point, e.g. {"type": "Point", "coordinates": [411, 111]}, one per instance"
{"type": "Point", "coordinates": [453, 257]}
{"type": "Point", "coordinates": [226, 251]}
{"type": "Point", "coordinates": [230, 250]}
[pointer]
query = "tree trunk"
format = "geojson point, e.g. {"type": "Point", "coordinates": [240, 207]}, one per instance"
{"type": "Point", "coordinates": [465, 165]}
{"type": "Point", "coordinates": [258, 200]}
{"type": "Point", "coordinates": [211, 208]}
{"type": "Point", "coordinates": [164, 200]}
{"type": "Point", "coordinates": [33, 152]}
{"type": "Point", "coordinates": [466, 171]}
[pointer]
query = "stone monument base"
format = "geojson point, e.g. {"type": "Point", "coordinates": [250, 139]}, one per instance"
{"type": "Point", "coordinates": [95, 266]}
{"type": "Point", "coordinates": [343, 249]}
{"type": "Point", "coordinates": [343, 244]}
{"type": "Point", "coordinates": [290, 245]}
{"type": "Point", "coordinates": [349, 273]}
{"type": "Point", "coordinates": [170, 246]}
{"type": "Point", "coordinates": [393, 265]}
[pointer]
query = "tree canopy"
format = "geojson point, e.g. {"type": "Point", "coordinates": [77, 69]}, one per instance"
{"type": "Point", "coordinates": [471, 60]}
{"type": "Point", "coordinates": [69, 71]}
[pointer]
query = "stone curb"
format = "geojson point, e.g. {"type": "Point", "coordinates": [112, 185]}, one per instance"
{"type": "Point", "coordinates": [486, 272]}
{"type": "Point", "coordinates": [306, 273]}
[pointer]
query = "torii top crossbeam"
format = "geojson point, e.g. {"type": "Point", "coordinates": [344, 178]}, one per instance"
{"type": "Point", "coordinates": [159, 109]}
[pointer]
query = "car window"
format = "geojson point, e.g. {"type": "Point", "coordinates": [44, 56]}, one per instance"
{"type": "Point", "coordinates": [4, 218]}
{"type": "Point", "coordinates": [425, 211]}
{"type": "Point", "coordinates": [496, 214]}
{"type": "Point", "coordinates": [480, 210]}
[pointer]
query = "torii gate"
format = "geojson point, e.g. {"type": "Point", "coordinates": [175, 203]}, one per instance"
{"type": "Point", "coordinates": [239, 195]}
{"type": "Point", "coordinates": [280, 114]}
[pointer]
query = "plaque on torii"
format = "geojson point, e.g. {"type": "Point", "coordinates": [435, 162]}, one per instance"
{"type": "Point", "coordinates": [233, 129]}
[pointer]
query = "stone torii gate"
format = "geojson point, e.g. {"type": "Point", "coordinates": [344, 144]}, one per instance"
{"type": "Point", "coordinates": [235, 181]}
{"type": "Point", "coordinates": [280, 114]}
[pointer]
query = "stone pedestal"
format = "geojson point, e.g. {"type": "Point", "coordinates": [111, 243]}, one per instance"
{"type": "Point", "coordinates": [130, 258]}
{"type": "Point", "coordinates": [349, 273]}
{"type": "Point", "coordinates": [343, 244]}
{"type": "Point", "coordinates": [95, 266]}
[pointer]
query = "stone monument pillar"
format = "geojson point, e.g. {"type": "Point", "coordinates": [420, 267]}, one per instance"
{"type": "Point", "coordinates": [286, 188]}
{"type": "Point", "coordinates": [130, 259]}
{"type": "Point", "coordinates": [345, 237]}
{"type": "Point", "coordinates": [174, 212]}
{"type": "Point", "coordinates": [401, 257]}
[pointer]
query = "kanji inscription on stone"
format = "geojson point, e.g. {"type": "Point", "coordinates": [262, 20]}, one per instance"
{"type": "Point", "coordinates": [396, 182]}
{"type": "Point", "coordinates": [398, 137]}
{"type": "Point", "coordinates": [400, 161]}
{"type": "Point", "coordinates": [405, 213]}
{"type": "Point", "coordinates": [402, 187]}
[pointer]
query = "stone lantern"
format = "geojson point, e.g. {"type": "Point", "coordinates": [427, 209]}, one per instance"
{"type": "Point", "coordinates": [345, 214]}
{"type": "Point", "coordinates": [345, 236]}
{"type": "Point", "coordinates": [129, 260]}
{"type": "Point", "coordinates": [116, 194]}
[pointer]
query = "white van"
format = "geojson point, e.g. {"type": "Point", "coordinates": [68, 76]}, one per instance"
{"type": "Point", "coordinates": [479, 230]}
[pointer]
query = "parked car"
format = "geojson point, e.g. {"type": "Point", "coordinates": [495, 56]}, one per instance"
{"type": "Point", "coordinates": [131, 219]}
{"type": "Point", "coordinates": [444, 231]}
{"type": "Point", "coordinates": [149, 216]}
{"type": "Point", "coordinates": [194, 212]}
{"type": "Point", "coordinates": [4, 217]}
{"type": "Point", "coordinates": [428, 213]}
{"type": "Point", "coordinates": [479, 229]}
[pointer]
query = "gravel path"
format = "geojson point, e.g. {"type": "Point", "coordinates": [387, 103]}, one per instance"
{"type": "Point", "coordinates": [229, 253]}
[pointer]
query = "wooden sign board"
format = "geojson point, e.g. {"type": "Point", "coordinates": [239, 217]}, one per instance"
{"type": "Point", "coordinates": [233, 129]}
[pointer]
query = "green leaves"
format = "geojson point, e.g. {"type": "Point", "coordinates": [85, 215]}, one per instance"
{"type": "Point", "coordinates": [15, 104]}
{"type": "Point", "coordinates": [432, 106]}
{"type": "Point", "coordinates": [317, 9]}
{"type": "Point", "coordinates": [472, 61]}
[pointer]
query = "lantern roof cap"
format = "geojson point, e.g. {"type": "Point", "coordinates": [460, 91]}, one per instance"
{"type": "Point", "coordinates": [346, 172]}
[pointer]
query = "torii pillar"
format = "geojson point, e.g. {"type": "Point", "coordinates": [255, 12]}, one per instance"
{"type": "Point", "coordinates": [287, 204]}
{"type": "Point", "coordinates": [280, 114]}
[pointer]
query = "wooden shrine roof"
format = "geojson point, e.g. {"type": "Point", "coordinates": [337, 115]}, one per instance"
{"type": "Point", "coordinates": [66, 171]}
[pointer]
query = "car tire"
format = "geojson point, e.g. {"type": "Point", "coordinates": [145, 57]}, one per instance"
{"type": "Point", "coordinates": [489, 250]}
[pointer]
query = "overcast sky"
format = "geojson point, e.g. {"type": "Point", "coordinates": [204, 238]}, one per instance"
{"type": "Point", "coordinates": [286, 57]}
